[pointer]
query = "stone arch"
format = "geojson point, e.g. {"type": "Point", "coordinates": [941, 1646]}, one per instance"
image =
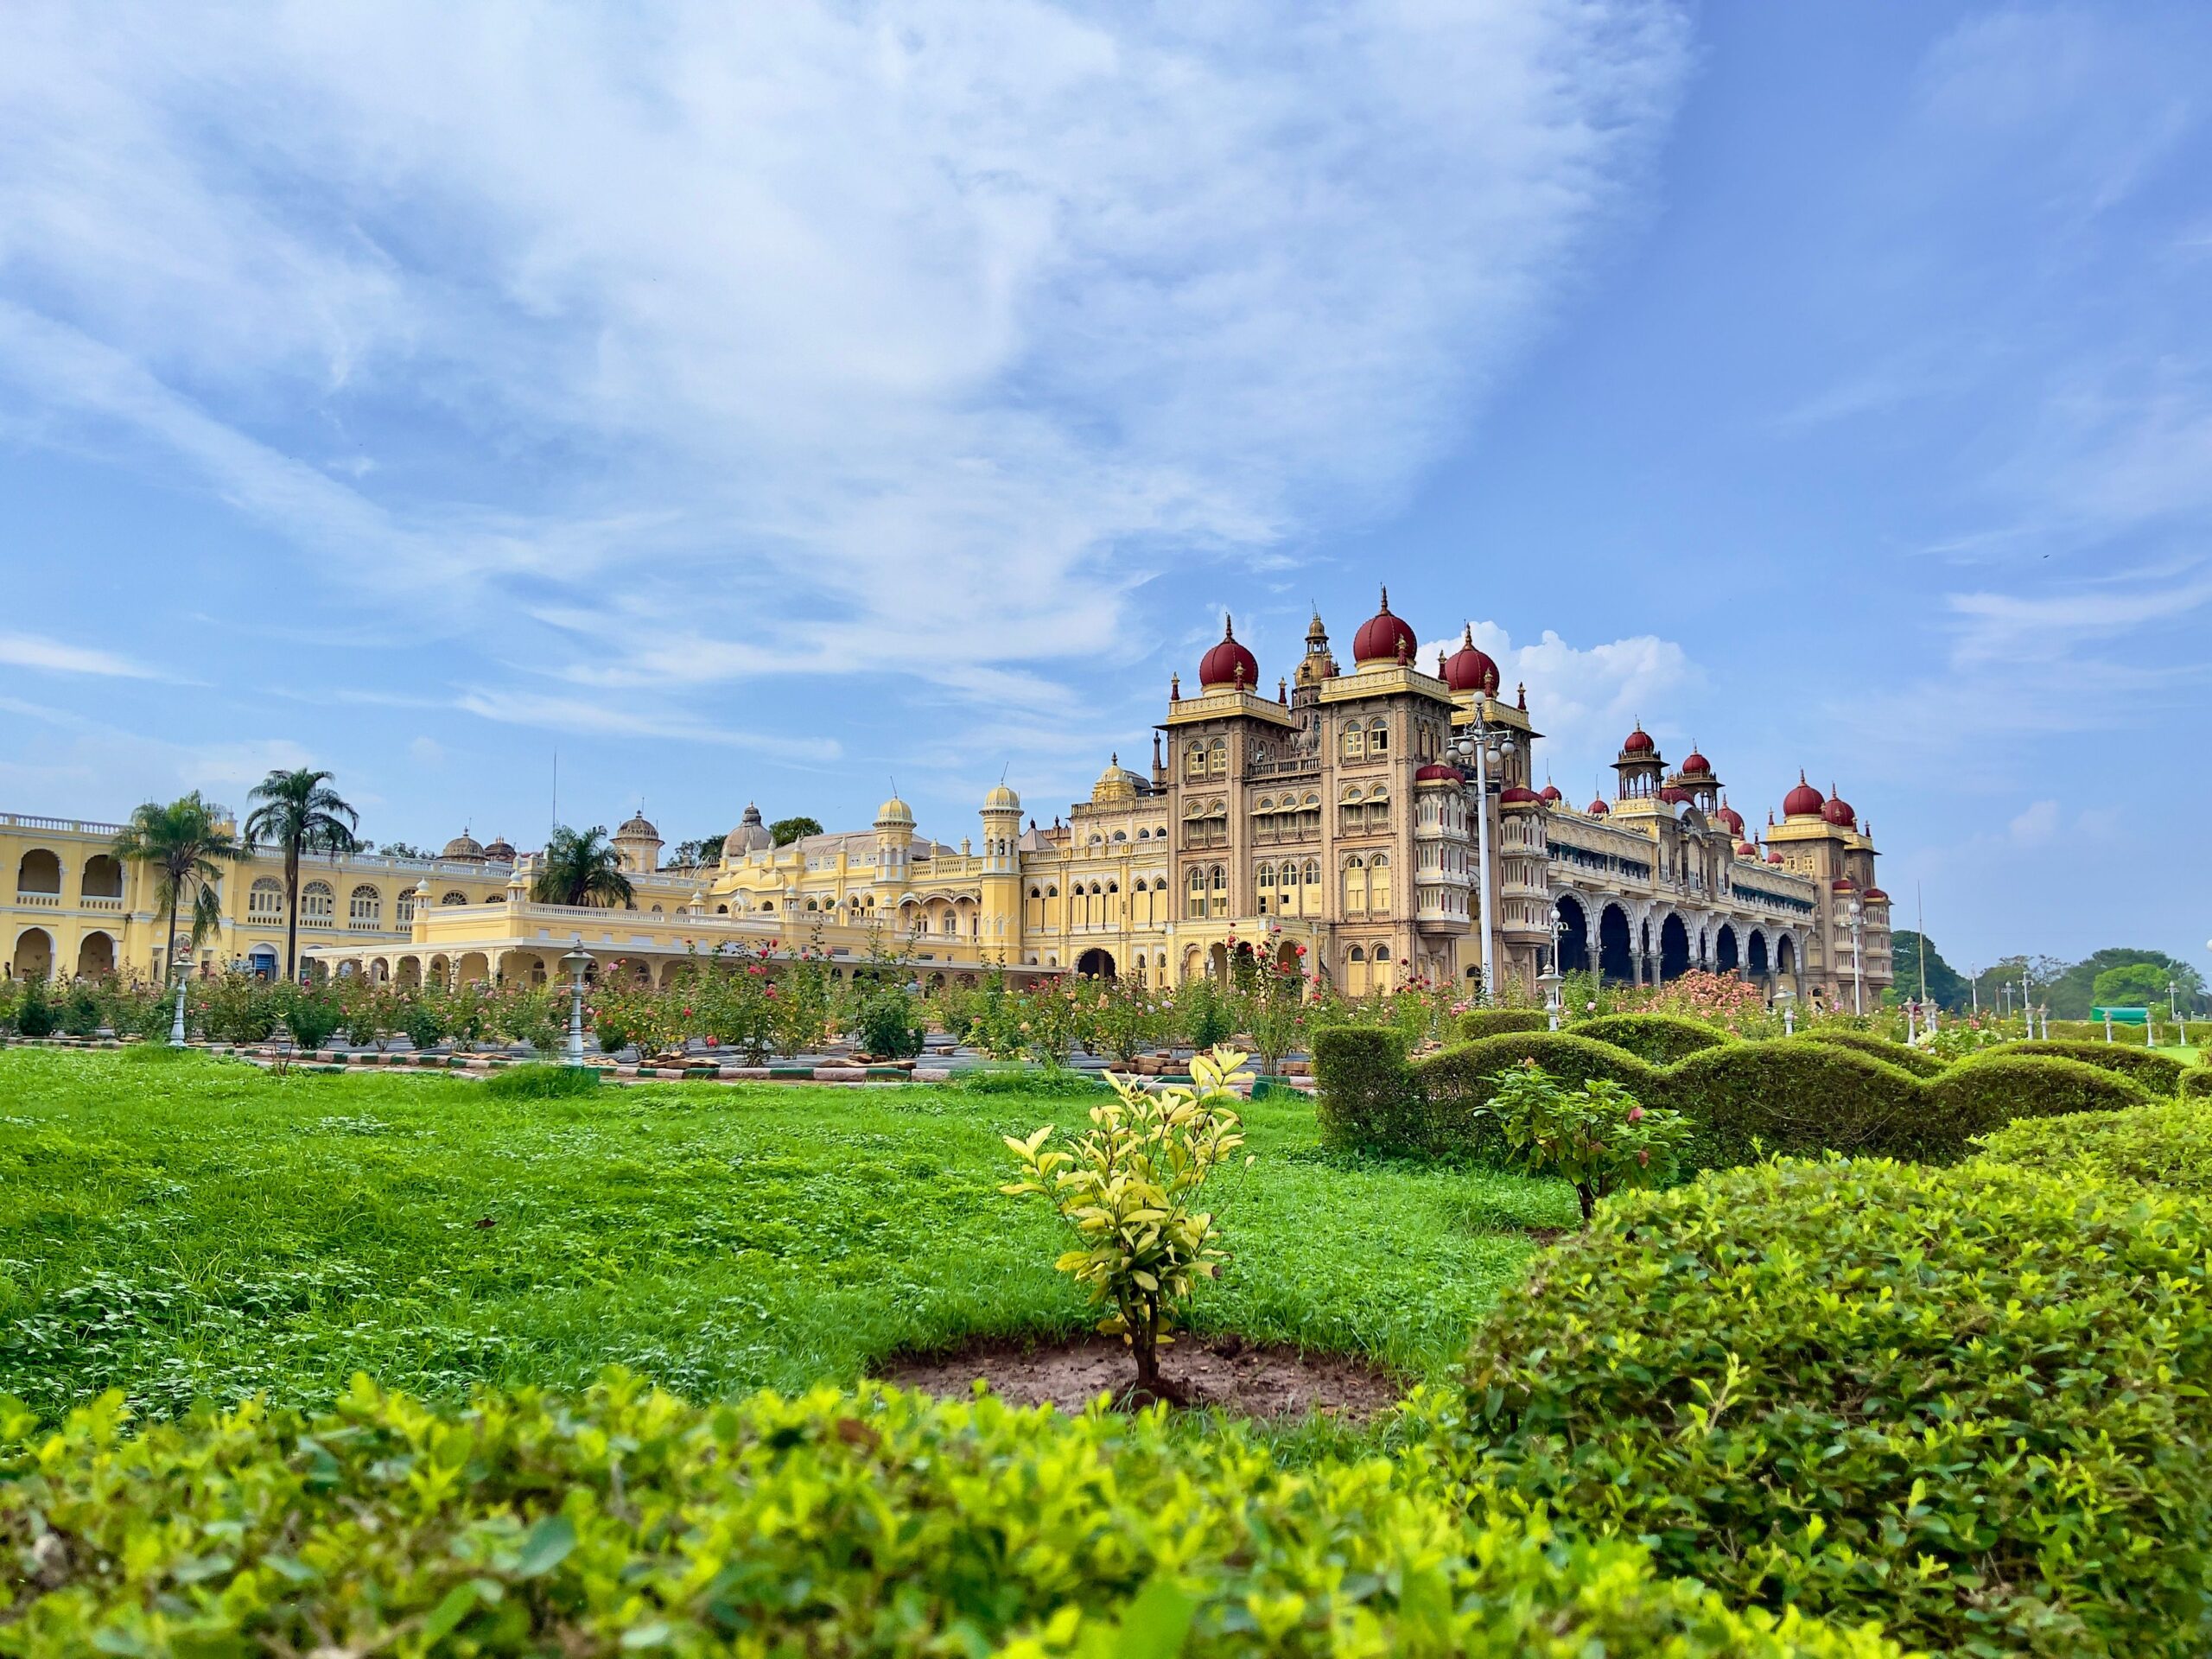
{"type": "Point", "coordinates": [1674, 947]}
{"type": "Point", "coordinates": [1785, 956]}
{"type": "Point", "coordinates": [473, 969]}
{"type": "Point", "coordinates": [1095, 963]}
{"type": "Point", "coordinates": [96, 955]}
{"type": "Point", "coordinates": [1756, 963]}
{"type": "Point", "coordinates": [38, 872]}
{"type": "Point", "coordinates": [1615, 954]}
{"type": "Point", "coordinates": [1726, 951]}
{"type": "Point", "coordinates": [1573, 934]}
{"type": "Point", "coordinates": [103, 876]}
{"type": "Point", "coordinates": [34, 955]}
{"type": "Point", "coordinates": [409, 972]}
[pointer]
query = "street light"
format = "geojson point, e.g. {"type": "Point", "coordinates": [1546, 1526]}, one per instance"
{"type": "Point", "coordinates": [1858, 976]}
{"type": "Point", "coordinates": [1474, 742]}
{"type": "Point", "coordinates": [1787, 1000]}
{"type": "Point", "coordinates": [575, 962]}
{"type": "Point", "coordinates": [176, 1025]}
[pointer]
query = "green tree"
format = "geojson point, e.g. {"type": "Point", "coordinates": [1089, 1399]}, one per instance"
{"type": "Point", "coordinates": [581, 868]}
{"type": "Point", "coordinates": [398, 849]}
{"type": "Point", "coordinates": [187, 846]}
{"type": "Point", "coordinates": [1947, 987]}
{"type": "Point", "coordinates": [707, 849]}
{"type": "Point", "coordinates": [2075, 991]}
{"type": "Point", "coordinates": [299, 812]}
{"type": "Point", "coordinates": [2137, 985]}
{"type": "Point", "coordinates": [784, 831]}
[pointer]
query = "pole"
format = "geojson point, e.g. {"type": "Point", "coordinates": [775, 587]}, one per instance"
{"type": "Point", "coordinates": [573, 1052]}
{"type": "Point", "coordinates": [1482, 853]}
{"type": "Point", "coordinates": [176, 1025]}
{"type": "Point", "coordinates": [1858, 978]}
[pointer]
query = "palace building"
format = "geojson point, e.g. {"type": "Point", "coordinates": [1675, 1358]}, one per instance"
{"type": "Point", "coordinates": [1380, 818]}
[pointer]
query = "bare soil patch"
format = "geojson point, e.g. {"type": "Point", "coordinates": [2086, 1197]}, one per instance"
{"type": "Point", "coordinates": [1224, 1372]}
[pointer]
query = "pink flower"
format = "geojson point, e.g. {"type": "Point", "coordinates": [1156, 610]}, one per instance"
{"type": "Point", "coordinates": [1635, 1114]}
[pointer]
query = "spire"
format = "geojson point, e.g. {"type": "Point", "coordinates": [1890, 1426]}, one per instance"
{"type": "Point", "coordinates": [1520, 695]}
{"type": "Point", "coordinates": [1228, 626]}
{"type": "Point", "coordinates": [1174, 688]}
{"type": "Point", "coordinates": [1386, 598]}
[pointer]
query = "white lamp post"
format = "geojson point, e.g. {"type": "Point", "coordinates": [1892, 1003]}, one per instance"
{"type": "Point", "coordinates": [1473, 743]}
{"type": "Point", "coordinates": [1551, 979]}
{"type": "Point", "coordinates": [1787, 999]}
{"type": "Point", "coordinates": [177, 1025]}
{"type": "Point", "coordinates": [1858, 977]}
{"type": "Point", "coordinates": [575, 962]}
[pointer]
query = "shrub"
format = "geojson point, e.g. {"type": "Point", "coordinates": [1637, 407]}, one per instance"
{"type": "Point", "coordinates": [1365, 1092]}
{"type": "Point", "coordinates": [1900, 1055]}
{"type": "Point", "coordinates": [1599, 1138]}
{"type": "Point", "coordinates": [886, 1024]}
{"type": "Point", "coordinates": [80, 1012]}
{"type": "Point", "coordinates": [311, 1013]}
{"type": "Point", "coordinates": [2196, 1083]}
{"type": "Point", "coordinates": [1981, 1095]}
{"type": "Point", "coordinates": [2159, 1073]}
{"type": "Point", "coordinates": [1658, 1038]}
{"type": "Point", "coordinates": [1453, 1089]}
{"type": "Point", "coordinates": [2165, 1145]}
{"type": "Point", "coordinates": [35, 1014]}
{"type": "Point", "coordinates": [1478, 1023]}
{"type": "Point", "coordinates": [1955, 1400]}
{"type": "Point", "coordinates": [541, 1081]}
{"type": "Point", "coordinates": [875, 1522]}
{"type": "Point", "coordinates": [1751, 1099]}
{"type": "Point", "coordinates": [1129, 1189]}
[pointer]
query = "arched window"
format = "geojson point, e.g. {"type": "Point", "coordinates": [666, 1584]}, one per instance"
{"type": "Point", "coordinates": [455, 898]}
{"type": "Point", "coordinates": [1378, 808]}
{"type": "Point", "coordinates": [1354, 741]}
{"type": "Point", "coordinates": [365, 908]}
{"type": "Point", "coordinates": [1194, 904]}
{"type": "Point", "coordinates": [403, 910]}
{"type": "Point", "coordinates": [1217, 756]}
{"type": "Point", "coordinates": [265, 900]}
{"type": "Point", "coordinates": [1378, 739]}
{"type": "Point", "coordinates": [1219, 884]}
{"type": "Point", "coordinates": [1378, 884]}
{"type": "Point", "coordinates": [1355, 892]}
{"type": "Point", "coordinates": [1352, 812]}
{"type": "Point", "coordinates": [1194, 760]}
{"type": "Point", "coordinates": [1264, 879]}
{"type": "Point", "coordinates": [317, 904]}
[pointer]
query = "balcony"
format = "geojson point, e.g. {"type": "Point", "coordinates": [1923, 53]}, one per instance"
{"type": "Point", "coordinates": [38, 900]}
{"type": "Point", "coordinates": [112, 905]}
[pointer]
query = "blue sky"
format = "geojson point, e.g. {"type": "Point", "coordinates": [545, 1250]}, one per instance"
{"type": "Point", "coordinates": [766, 406]}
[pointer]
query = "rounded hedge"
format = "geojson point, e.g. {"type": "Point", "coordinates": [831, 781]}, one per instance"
{"type": "Point", "coordinates": [1478, 1023]}
{"type": "Point", "coordinates": [1364, 1093]}
{"type": "Point", "coordinates": [872, 1522]}
{"type": "Point", "coordinates": [1965, 1402]}
{"type": "Point", "coordinates": [1904, 1057]}
{"type": "Point", "coordinates": [1656, 1038]}
{"type": "Point", "coordinates": [1750, 1100]}
{"type": "Point", "coordinates": [2160, 1073]}
{"type": "Point", "coordinates": [2196, 1083]}
{"type": "Point", "coordinates": [2166, 1146]}
{"type": "Point", "coordinates": [1984, 1093]}
{"type": "Point", "coordinates": [1454, 1085]}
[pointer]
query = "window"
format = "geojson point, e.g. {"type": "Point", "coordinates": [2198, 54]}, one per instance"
{"type": "Point", "coordinates": [1194, 905]}
{"type": "Point", "coordinates": [364, 909]}
{"type": "Point", "coordinates": [455, 898]}
{"type": "Point", "coordinates": [1355, 892]}
{"type": "Point", "coordinates": [1355, 742]}
{"type": "Point", "coordinates": [1218, 883]}
{"type": "Point", "coordinates": [265, 900]}
{"type": "Point", "coordinates": [317, 904]}
{"type": "Point", "coordinates": [1378, 739]}
{"type": "Point", "coordinates": [1194, 760]}
{"type": "Point", "coordinates": [1217, 757]}
{"type": "Point", "coordinates": [1378, 808]}
{"type": "Point", "coordinates": [403, 912]}
{"type": "Point", "coordinates": [1378, 884]}
{"type": "Point", "coordinates": [1264, 879]}
{"type": "Point", "coordinates": [1351, 814]}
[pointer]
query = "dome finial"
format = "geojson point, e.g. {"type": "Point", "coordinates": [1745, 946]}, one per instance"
{"type": "Point", "coordinates": [1386, 598]}
{"type": "Point", "coordinates": [1228, 626]}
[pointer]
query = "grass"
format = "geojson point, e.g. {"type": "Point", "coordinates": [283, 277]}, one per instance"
{"type": "Point", "coordinates": [196, 1228]}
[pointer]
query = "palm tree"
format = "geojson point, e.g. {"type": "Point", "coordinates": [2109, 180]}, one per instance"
{"type": "Point", "coordinates": [300, 812]}
{"type": "Point", "coordinates": [187, 846]}
{"type": "Point", "coordinates": [580, 868]}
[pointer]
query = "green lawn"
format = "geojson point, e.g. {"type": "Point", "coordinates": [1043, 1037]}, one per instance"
{"type": "Point", "coordinates": [197, 1227]}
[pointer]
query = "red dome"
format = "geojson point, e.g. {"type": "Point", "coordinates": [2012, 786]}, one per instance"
{"type": "Point", "coordinates": [1875, 895]}
{"type": "Point", "coordinates": [1745, 850]}
{"type": "Point", "coordinates": [1227, 663]}
{"type": "Point", "coordinates": [1803, 802]}
{"type": "Point", "coordinates": [1841, 884]}
{"type": "Point", "coordinates": [1437, 772]}
{"type": "Point", "coordinates": [1638, 742]}
{"type": "Point", "coordinates": [1469, 668]}
{"type": "Point", "coordinates": [1838, 811]}
{"type": "Point", "coordinates": [1698, 763]}
{"type": "Point", "coordinates": [1774, 858]}
{"type": "Point", "coordinates": [1517, 795]}
{"type": "Point", "coordinates": [1729, 816]}
{"type": "Point", "coordinates": [1552, 797]}
{"type": "Point", "coordinates": [1383, 637]}
{"type": "Point", "coordinates": [1597, 809]}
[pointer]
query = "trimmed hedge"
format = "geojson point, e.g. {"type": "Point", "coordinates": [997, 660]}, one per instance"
{"type": "Point", "coordinates": [1982, 1094]}
{"type": "Point", "coordinates": [1365, 1096]}
{"type": "Point", "coordinates": [2196, 1083]}
{"type": "Point", "coordinates": [1657, 1038]}
{"type": "Point", "coordinates": [2159, 1073]}
{"type": "Point", "coordinates": [1752, 1100]}
{"type": "Point", "coordinates": [1905, 1057]}
{"type": "Point", "coordinates": [1953, 1401]}
{"type": "Point", "coordinates": [2166, 1146]}
{"type": "Point", "coordinates": [1452, 1087]}
{"type": "Point", "coordinates": [1478, 1023]}
{"type": "Point", "coordinates": [874, 1522]}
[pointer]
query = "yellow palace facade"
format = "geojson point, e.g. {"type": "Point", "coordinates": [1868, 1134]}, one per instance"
{"type": "Point", "coordinates": [1375, 823]}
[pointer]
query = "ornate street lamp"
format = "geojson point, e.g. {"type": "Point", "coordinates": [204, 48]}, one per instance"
{"type": "Point", "coordinates": [1477, 742]}
{"type": "Point", "coordinates": [1786, 1000]}
{"type": "Point", "coordinates": [1858, 976]}
{"type": "Point", "coordinates": [575, 962]}
{"type": "Point", "coordinates": [177, 1025]}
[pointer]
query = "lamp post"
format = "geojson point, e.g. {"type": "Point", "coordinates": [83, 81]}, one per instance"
{"type": "Point", "coordinates": [1787, 999]}
{"type": "Point", "coordinates": [1858, 975]}
{"type": "Point", "coordinates": [575, 961]}
{"type": "Point", "coordinates": [1473, 742]}
{"type": "Point", "coordinates": [177, 1025]}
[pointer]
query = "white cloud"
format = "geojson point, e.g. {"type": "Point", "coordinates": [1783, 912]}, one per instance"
{"type": "Point", "coordinates": [2037, 824]}
{"type": "Point", "coordinates": [896, 337]}
{"type": "Point", "coordinates": [36, 650]}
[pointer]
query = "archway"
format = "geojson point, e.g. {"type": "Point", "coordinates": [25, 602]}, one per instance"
{"type": "Point", "coordinates": [96, 956]}
{"type": "Point", "coordinates": [473, 969]}
{"type": "Point", "coordinates": [1217, 963]}
{"type": "Point", "coordinates": [1723, 949]}
{"type": "Point", "coordinates": [102, 877]}
{"type": "Point", "coordinates": [1785, 958]}
{"type": "Point", "coordinates": [1095, 963]}
{"type": "Point", "coordinates": [33, 957]}
{"type": "Point", "coordinates": [1573, 936]}
{"type": "Point", "coordinates": [1616, 957]}
{"type": "Point", "coordinates": [1755, 961]}
{"type": "Point", "coordinates": [1674, 949]}
{"type": "Point", "coordinates": [39, 872]}
{"type": "Point", "coordinates": [410, 972]}
{"type": "Point", "coordinates": [1356, 979]}
{"type": "Point", "coordinates": [261, 962]}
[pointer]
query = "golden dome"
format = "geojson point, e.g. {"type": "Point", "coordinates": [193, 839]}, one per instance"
{"type": "Point", "coordinates": [1001, 799]}
{"type": "Point", "coordinates": [894, 810]}
{"type": "Point", "coordinates": [1116, 786]}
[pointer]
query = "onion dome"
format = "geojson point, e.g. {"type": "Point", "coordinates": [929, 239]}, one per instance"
{"type": "Point", "coordinates": [1383, 637]}
{"type": "Point", "coordinates": [1597, 809]}
{"type": "Point", "coordinates": [1838, 811]}
{"type": "Point", "coordinates": [1698, 764]}
{"type": "Point", "coordinates": [1552, 797]}
{"type": "Point", "coordinates": [894, 811]}
{"type": "Point", "coordinates": [1773, 857]}
{"type": "Point", "coordinates": [637, 827]}
{"type": "Point", "coordinates": [1746, 850]}
{"type": "Point", "coordinates": [1876, 896]}
{"type": "Point", "coordinates": [1116, 786]}
{"type": "Point", "coordinates": [1227, 663]}
{"type": "Point", "coordinates": [1517, 796]}
{"type": "Point", "coordinates": [465, 847]}
{"type": "Point", "coordinates": [1841, 884]}
{"type": "Point", "coordinates": [1470, 668]}
{"type": "Point", "coordinates": [1638, 742]}
{"type": "Point", "coordinates": [1803, 802]}
{"type": "Point", "coordinates": [498, 850]}
{"type": "Point", "coordinates": [1002, 800]}
{"type": "Point", "coordinates": [1728, 815]}
{"type": "Point", "coordinates": [751, 835]}
{"type": "Point", "coordinates": [1436, 771]}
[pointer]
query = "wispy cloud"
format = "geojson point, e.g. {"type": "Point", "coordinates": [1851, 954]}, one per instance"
{"type": "Point", "coordinates": [59, 657]}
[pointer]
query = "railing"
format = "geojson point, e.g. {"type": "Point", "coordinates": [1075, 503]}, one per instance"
{"type": "Point", "coordinates": [74, 826]}
{"type": "Point", "coordinates": [39, 900]}
{"type": "Point", "coordinates": [92, 902]}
